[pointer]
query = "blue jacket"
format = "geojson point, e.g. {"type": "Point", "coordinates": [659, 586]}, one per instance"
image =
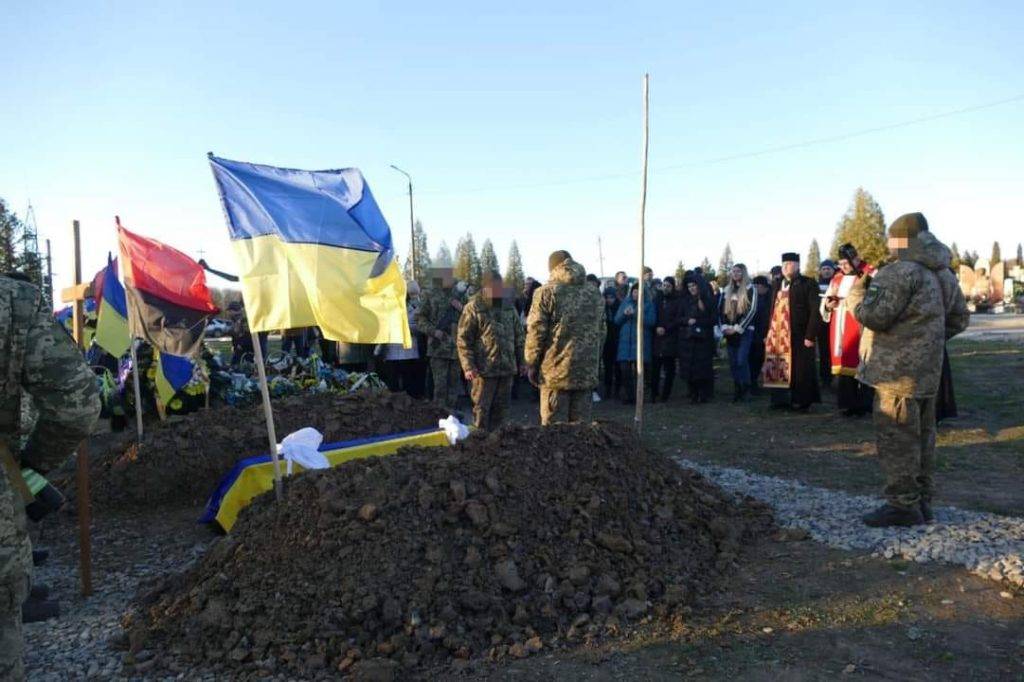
{"type": "Point", "coordinates": [627, 330]}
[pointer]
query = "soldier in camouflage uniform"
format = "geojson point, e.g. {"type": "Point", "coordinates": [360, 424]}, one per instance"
{"type": "Point", "coordinates": [37, 358]}
{"type": "Point", "coordinates": [565, 333]}
{"type": "Point", "coordinates": [908, 310]}
{"type": "Point", "coordinates": [438, 318]}
{"type": "Point", "coordinates": [490, 344]}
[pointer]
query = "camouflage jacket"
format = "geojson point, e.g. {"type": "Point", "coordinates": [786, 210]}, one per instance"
{"type": "Point", "coordinates": [38, 358]}
{"type": "Point", "coordinates": [565, 330]}
{"type": "Point", "coordinates": [490, 339]}
{"type": "Point", "coordinates": [908, 310]}
{"type": "Point", "coordinates": [436, 313]}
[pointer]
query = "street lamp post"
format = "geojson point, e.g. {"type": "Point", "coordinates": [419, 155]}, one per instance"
{"type": "Point", "coordinates": [412, 223]}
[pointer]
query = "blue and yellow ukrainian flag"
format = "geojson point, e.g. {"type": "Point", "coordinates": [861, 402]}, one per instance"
{"type": "Point", "coordinates": [173, 373]}
{"type": "Point", "coordinates": [313, 248]}
{"type": "Point", "coordinates": [112, 320]}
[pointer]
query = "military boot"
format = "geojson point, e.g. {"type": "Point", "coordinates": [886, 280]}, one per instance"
{"type": "Point", "coordinates": [926, 512]}
{"type": "Point", "coordinates": [38, 610]}
{"type": "Point", "coordinates": [889, 515]}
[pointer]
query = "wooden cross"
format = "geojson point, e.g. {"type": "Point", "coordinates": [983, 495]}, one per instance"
{"type": "Point", "coordinates": [76, 295]}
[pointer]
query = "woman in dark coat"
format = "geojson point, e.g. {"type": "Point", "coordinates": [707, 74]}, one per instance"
{"type": "Point", "coordinates": [697, 340]}
{"type": "Point", "coordinates": [612, 370]}
{"type": "Point", "coordinates": [666, 340]}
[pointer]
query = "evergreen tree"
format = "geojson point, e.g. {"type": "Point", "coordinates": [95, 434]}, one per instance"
{"type": "Point", "coordinates": [813, 263]}
{"type": "Point", "coordinates": [467, 261]}
{"type": "Point", "coordinates": [863, 225]}
{"type": "Point", "coordinates": [954, 259]}
{"type": "Point", "coordinates": [1020, 255]}
{"type": "Point", "coordinates": [969, 258]}
{"type": "Point", "coordinates": [443, 259]}
{"type": "Point", "coordinates": [488, 259]}
{"type": "Point", "coordinates": [10, 232]}
{"type": "Point", "coordinates": [422, 257]}
{"type": "Point", "coordinates": [725, 265]}
{"type": "Point", "coordinates": [709, 272]}
{"type": "Point", "coordinates": [514, 275]}
{"type": "Point", "coordinates": [997, 255]}
{"type": "Point", "coordinates": [680, 274]}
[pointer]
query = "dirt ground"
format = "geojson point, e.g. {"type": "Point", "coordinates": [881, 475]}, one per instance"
{"type": "Point", "coordinates": [797, 610]}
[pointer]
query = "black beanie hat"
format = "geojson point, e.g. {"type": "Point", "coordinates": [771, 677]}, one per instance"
{"type": "Point", "coordinates": [789, 257]}
{"type": "Point", "coordinates": [557, 258]}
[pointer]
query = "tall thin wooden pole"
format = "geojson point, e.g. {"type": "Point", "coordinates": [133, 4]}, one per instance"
{"type": "Point", "coordinates": [82, 468]}
{"type": "Point", "coordinates": [639, 416]}
{"type": "Point", "coordinates": [600, 255]}
{"type": "Point", "coordinates": [138, 389]}
{"type": "Point", "coordinates": [268, 413]}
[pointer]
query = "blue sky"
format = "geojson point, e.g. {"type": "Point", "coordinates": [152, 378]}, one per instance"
{"type": "Point", "coordinates": [521, 121]}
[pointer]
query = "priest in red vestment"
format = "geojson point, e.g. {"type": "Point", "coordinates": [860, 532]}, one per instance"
{"type": "Point", "coordinates": [852, 397]}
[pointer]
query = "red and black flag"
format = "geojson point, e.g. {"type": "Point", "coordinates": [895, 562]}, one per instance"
{"type": "Point", "coordinates": [168, 302]}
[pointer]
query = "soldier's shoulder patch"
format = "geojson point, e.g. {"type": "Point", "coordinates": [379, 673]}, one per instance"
{"type": "Point", "coordinates": [874, 291]}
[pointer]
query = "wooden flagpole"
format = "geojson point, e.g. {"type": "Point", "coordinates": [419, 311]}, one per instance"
{"type": "Point", "coordinates": [138, 389]}
{"type": "Point", "coordinates": [638, 418]}
{"type": "Point", "coordinates": [268, 412]}
{"type": "Point", "coordinates": [82, 463]}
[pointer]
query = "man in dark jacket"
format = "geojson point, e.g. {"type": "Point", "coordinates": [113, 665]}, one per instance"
{"type": "Point", "coordinates": [666, 341]}
{"type": "Point", "coordinates": [790, 366]}
{"type": "Point", "coordinates": [826, 272]}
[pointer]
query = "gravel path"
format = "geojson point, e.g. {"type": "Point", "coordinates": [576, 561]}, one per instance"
{"type": "Point", "coordinates": [127, 553]}
{"type": "Point", "coordinates": [989, 545]}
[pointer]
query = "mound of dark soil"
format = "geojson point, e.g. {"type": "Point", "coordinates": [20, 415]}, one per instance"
{"type": "Point", "coordinates": [504, 545]}
{"type": "Point", "coordinates": [180, 461]}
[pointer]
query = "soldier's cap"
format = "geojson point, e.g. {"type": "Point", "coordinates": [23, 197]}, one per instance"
{"type": "Point", "coordinates": [557, 258]}
{"type": "Point", "coordinates": [790, 257]}
{"type": "Point", "coordinates": [908, 225]}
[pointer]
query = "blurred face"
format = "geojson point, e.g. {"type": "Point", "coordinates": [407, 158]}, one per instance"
{"type": "Point", "coordinates": [897, 245]}
{"type": "Point", "coordinates": [790, 269]}
{"type": "Point", "coordinates": [762, 290]}
{"type": "Point", "coordinates": [620, 277]}
{"type": "Point", "coordinates": [609, 298]}
{"type": "Point", "coordinates": [737, 274]}
{"type": "Point", "coordinates": [493, 290]}
{"type": "Point", "coordinates": [634, 294]}
{"type": "Point", "coordinates": [692, 288]}
{"type": "Point", "coordinates": [442, 277]}
{"type": "Point", "coordinates": [846, 266]}
{"type": "Point", "coordinates": [826, 271]}
{"type": "Point", "coordinates": [667, 287]}
{"type": "Point", "coordinates": [528, 283]}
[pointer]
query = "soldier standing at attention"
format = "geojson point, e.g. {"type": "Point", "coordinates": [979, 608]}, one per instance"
{"type": "Point", "coordinates": [908, 311]}
{"type": "Point", "coordinates": [564, 335]}
{"type": "Point", "coordinates": [438, 318]}
{"type": "Point", "coordinates": [37, 358]}
{"type": "Point", "coordinates": [490, 344]}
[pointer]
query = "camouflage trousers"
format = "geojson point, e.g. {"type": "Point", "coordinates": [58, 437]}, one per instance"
{"type": "Point", "coordinates": [15, 567]}
{"type": "Point", "coordinates": [447, 379]}
{"type": "Point", "coordinates": [491, 397]}
{"type": "Point", "coordinates": [565, 406]}
{"type": "Point", "coordinates": [905, 438]}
